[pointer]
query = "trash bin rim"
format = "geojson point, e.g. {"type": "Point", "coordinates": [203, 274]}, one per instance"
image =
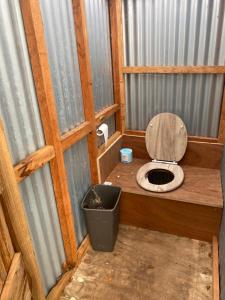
{"type": "Point", "coordinates": [104, 209]}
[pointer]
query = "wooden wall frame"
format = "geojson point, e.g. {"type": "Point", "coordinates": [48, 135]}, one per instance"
{"type": "Point", "coordinates": [116, 32]}
{"type": "Point", "coordinates": [16, 218]}
{"type": "Point", "coordinates": [86, 81]}
{"type": "Point", "coordinates": [44, 91]}
{"type": "Point", "coordinates": [173, 70]}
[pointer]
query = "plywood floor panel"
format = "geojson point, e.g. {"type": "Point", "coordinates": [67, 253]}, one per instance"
{"type": "Point", "coordinates": [145, 265]}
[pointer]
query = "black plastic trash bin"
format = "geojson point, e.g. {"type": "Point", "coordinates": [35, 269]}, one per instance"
{"type": "Point", "coordinates": [102, 223]}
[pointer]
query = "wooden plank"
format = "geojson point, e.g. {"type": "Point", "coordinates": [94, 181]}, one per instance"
{"type": "Point", "coordinates": [190, 137]}
{"type": "Point", "coordinates": [104, 114]}
{"type": "Point", "coordinates": [179, 218]}
{"type": "Point", "coordinates": [33, 162]}
{"type": "Point", "coordinates": [16, 216]}
{"type": "Point", "coordinates": [16, 287]}
{"type": "Point", "coordinates": [86, 81]}
{"type": "Point", "coordinates": [42, 78]}
{"type": "Point", "coordinates": [57, 290]}
{"type": "Point", "coordinates": [174, 69]}
{"type": "Point", "coordinates": [216, 281]}
{"type": "Point", "coordinates": [201, 186]}
{"type": "Point", "coordinates": [221, 134]}
{"type": "Point", "coordinates": [199, 154]}
{"type": "Point", "coordinates": [115, 13]}
{"type": "Point", "coordinates": [6, 247]}
{"type": "Point", "coordinates": [103, 148]}
{"type": "Point", "coordinates": [108, 160]}
{"type": "Point", "coordinates": [71, 137]}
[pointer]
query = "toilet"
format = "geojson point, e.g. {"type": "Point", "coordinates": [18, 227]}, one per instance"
{"type": "Point", "coordinates": [166, 143]}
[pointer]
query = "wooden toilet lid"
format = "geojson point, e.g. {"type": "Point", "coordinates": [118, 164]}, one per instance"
{"type": "Point", "coordinates": [166, 137]}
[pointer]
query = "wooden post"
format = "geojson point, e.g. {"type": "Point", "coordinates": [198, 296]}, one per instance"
{"type": "Point", "coordinates": [115, 12]}
{"type": "Point", "coordinates": [42, 79]}
{"type": "Point", "coordinates": [86, 81]}
{"type": "Point", "coordinates": [221, 134]}
{"type": "Point", "coordinates": [13, 204]}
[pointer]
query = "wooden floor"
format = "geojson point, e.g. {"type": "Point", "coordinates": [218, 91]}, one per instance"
{"type": "Point", "coordinates": [145, 265]}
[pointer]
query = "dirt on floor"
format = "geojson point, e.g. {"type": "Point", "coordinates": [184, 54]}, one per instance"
{"type": "Point", "coordinates": [145, 265]}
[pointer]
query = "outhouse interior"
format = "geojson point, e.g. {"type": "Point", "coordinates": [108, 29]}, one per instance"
{"type": "Point", "coordinates": [119, 99]}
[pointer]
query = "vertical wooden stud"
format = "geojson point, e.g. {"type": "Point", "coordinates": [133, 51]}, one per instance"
{"type": "Point", "coordinates": [86, 81]}
{"type": "Point", "coordinates": [221, 134]}
{"type": "Point", "coordinates": [42, 79]}
{"type": "Point", "coordinates": [115, 12]}
{"type": "Point", "coordinates": [13, 204]}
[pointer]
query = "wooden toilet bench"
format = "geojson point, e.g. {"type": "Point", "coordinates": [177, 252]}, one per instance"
{"type": "Point", "coordinates": [193, 210]}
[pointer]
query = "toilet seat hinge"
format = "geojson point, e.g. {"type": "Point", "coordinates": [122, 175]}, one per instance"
{"type": "Point", "coordinates": [164, 162]}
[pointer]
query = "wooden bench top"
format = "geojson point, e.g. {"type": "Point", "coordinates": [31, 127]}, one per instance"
{"type": "Point", "coordinates": [201, 185]}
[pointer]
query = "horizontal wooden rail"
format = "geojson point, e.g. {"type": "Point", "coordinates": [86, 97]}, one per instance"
{"type": "Point", "coordinates": [190, 137]}
{"type": "Point", "coordinates": [106, 113]}
{"type": "Point", "coordinates": [76, 134]}
{"type": "Point", "coordinates": [174, 69]}
{"type": "Point", "coordinates": [111, 140]}
{"type": "Point", "coordinates": [33, 162]}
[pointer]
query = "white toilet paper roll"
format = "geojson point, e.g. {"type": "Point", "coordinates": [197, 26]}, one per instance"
{"type": "Point", "coordinates": [103, 129]}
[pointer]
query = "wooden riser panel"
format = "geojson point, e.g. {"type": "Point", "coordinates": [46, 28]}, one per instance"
{"type": "Point", "coordinates": [183, 219]}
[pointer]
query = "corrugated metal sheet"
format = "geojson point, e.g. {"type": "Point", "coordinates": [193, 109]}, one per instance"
{"type": "Point", "coordinates": [18, 108]}
{"type": "Point", "coordinates": [195, 98]}
{"type": "Point", "coordinates": [78, 172]}
{"type": "Point", "coordinates": [222, 236]}
{"type": "Point", "coordinates": [60, 38]}
{"type": "Point", "coordinates": [20, 114]}
{"type": "Point", "coordinates": [97, 16]}
{"type": "Point", "coordinates": [39, 201]}
{"type": "Point", "coordinates": [174, 32]}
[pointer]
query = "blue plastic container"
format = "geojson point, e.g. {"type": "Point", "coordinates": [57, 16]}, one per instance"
{"type": "Point", "coordinates": [126, 155]}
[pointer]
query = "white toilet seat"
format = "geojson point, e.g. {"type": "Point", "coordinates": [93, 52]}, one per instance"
{"type": "Point", "coordinates": [142, 178]}
{"type": "Point", "coordinates": [166, 143]}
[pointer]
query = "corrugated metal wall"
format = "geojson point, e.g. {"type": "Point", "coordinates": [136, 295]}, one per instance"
{"type": "Point", "coordinates": [20, 114]}
{"type": "Point", "coordinates": [195, 98]}
{"type": "Point", "coordinates": [174, 32]}
{"type": "Point", "coordinates": [39, 200]}
{"type": "Point", "coordinates": [60, 38]}
{"type": "Point", "coordinates": [78, 172]}
{"type": "Point", "coordinates": [97, 16]}
{"type": "Point", "coordinates": [17, 95]}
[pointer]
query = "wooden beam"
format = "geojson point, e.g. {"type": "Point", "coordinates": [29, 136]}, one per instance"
{"type": "Point", "coordinates": [103, 148]}
{"type": "Point", "coordinates": [216, 288]}
{"type": "Point", "coordinates": [76, 134]}
{"type": "Point", "coordinates": [115, 13]}
{"type": "Point", "coordinates": [57, 290]}
{"type": "Point", "coordinates": [33, 162]}
{"type": "Point", "coordinates": [190, 137]}
{"type": "Point", "coordinates": [42, 79]}
{"type": "Point", "coordinates": [6, 247]}
{"type": "Point", "coordinates": [16, 216]}
{"type": "Point", "coordinates": [198, 154]}
{"type": "Point", "coordinates": [16, 286]}
{"type": "Point", "coordinates": [221, 134]}
{"type": "Point", "coordinates": [106, 113]}
{"type": "Point", "coordinates": [86, 81]}
{"type": "Point", "coordinates": [174, 70]}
